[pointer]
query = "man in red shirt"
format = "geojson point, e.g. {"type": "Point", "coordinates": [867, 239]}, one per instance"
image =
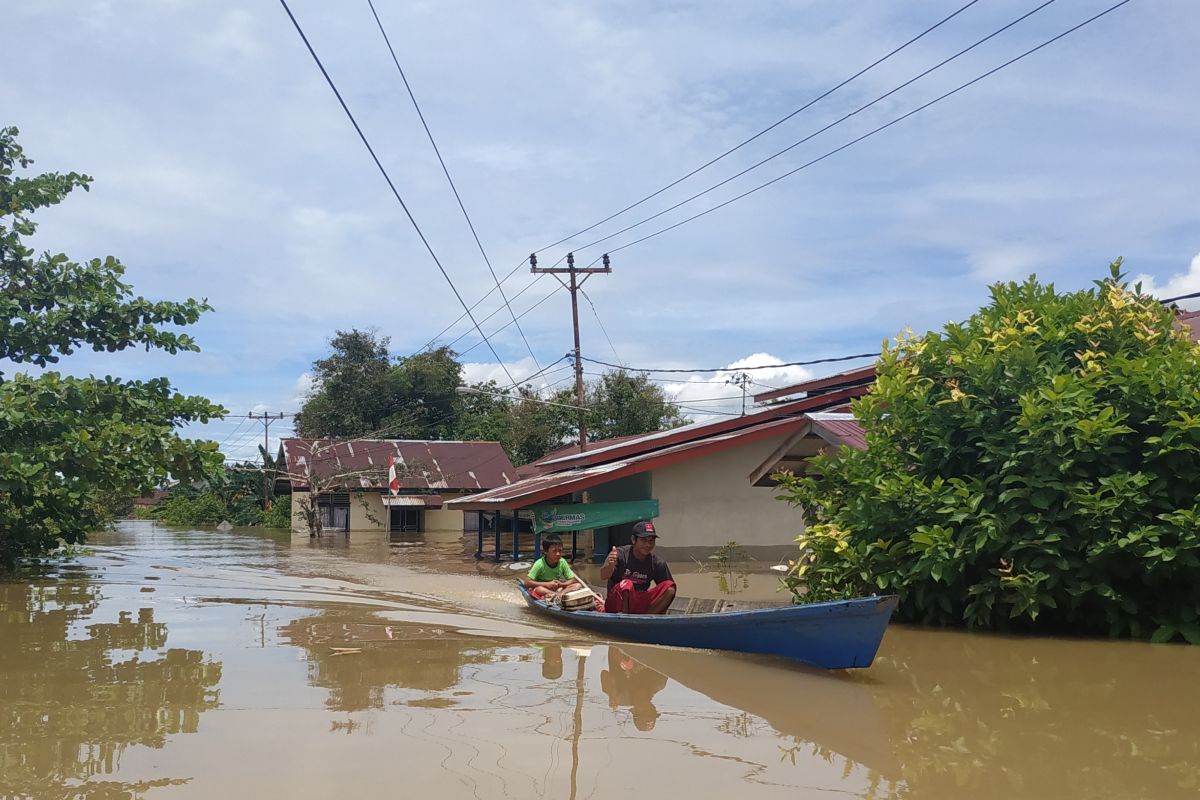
{"type": "Point", "coordinates": [630, 570]}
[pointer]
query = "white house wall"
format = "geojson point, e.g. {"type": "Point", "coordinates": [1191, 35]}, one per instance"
{"type": "Point", "coordinates": [439, 520]}
{"type": "Point", "coordinates": [704, 503]}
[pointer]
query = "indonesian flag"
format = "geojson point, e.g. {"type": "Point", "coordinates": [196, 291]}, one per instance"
{"type": "Point", "coordinates": [393, 481]}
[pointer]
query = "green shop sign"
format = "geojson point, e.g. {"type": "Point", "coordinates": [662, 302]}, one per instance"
{"type": "Point", "coordinates": [585, 516]}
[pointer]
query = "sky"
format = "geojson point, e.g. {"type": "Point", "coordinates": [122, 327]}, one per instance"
{"type": "Point", "coordinates": [225, 169]}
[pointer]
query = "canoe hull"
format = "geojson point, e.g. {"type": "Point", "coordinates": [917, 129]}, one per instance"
{"type": "Point", "coordinates": [838, 635]}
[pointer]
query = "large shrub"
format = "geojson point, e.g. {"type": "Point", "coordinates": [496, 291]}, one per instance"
{"type": "Point", "coordinates": [1035, 466]}
{"type": "Point", "coordinates": [73, 450]}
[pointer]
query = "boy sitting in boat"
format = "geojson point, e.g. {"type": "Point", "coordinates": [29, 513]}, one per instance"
{"type": "Point", "coordinates": [551, 573]}
{"type": "Point", "coordinates": [629, 571]}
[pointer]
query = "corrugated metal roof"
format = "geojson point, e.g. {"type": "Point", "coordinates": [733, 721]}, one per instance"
{"type": "Point", "coordinates": [363, 463]}
{"type": "Point", "coordinates": [842, 428]}
{"type": "Point", "coordinates": [839, 380]}
{"type": "Point", "coordinates": [624, 448]}
{"type": "Point", "coordinates": [1189, 322]}
{"type": "Point", "coordinates": [550, 485]}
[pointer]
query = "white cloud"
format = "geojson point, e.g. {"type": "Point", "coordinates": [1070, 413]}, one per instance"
{"type": "Point", "coordinates": [1178, 284]}
{"type": "Point", "coordinates": [301, 389]}
{"type": "Point", "coordinates": [225, 169]}
{"type": "Point", "coordinates": [709, 395]}
{"type": "Point", "coordinates": [521, 370]}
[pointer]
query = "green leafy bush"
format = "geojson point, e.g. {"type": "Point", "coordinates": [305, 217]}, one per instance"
{"type": "Point", "coordinates": [1036, 466]}
{"type": "Point", "coordinates": [73, 450]}
{"type": "Point", "coordinates": [201, 509]}
{"type": "Point", "coordinates": [279, 515]}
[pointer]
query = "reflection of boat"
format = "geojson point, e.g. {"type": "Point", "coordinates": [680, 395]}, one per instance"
{"type": "Point", "coordinates": [833, 712]}
{"type": "Point", "coordinates": [836, 635]}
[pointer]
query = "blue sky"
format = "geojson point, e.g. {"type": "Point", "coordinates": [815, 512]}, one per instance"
{"type": "Point", "coordinates": [225, 169]}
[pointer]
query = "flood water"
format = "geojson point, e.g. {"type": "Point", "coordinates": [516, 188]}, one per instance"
{"type": "Point", "coordinates": [168, 663]}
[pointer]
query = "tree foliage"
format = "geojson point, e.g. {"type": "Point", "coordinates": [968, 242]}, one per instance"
{"type": "Point", "coordinates": [70, 446]}
{"type": "Point", "coordinates": [625, 404]}
{"type": "Point", "coordinates": [233, 495]}
{"type": "Point", "coordinates": [359, 392]}
{"type": "Point", "coordinates": [1036, 466]}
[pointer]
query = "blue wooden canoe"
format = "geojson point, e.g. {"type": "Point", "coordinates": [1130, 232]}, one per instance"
{"type": "Point", "coordinates": [834, 635]}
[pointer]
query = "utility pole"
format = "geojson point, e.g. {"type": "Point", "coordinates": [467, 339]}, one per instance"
{"type": "Point", "coordinates": [741, 379]}
{"type": "Point", "coordinates": [573, 287]}
{"type": "Point", "coordinates": [266, 418]}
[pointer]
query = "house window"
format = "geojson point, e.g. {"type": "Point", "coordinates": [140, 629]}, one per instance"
{"type": "Point", "coordinates": [335, 511]}
{"type": "Point", "coordinates": [406, 519]}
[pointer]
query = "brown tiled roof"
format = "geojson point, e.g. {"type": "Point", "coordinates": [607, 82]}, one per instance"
{"type": "Point", "coordinates": [363, 463]}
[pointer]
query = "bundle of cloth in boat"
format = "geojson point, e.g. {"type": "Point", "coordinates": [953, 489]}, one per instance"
{"type": "Point", "coordinates": [580, 599]}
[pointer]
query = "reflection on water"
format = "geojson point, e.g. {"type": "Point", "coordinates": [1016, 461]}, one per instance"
{"type": "Point", "coordinates": [1000, 717]}
{"type": "Point", "coordinates": [357, 661]}
{"type": "Point", "coordinates": [75, 696]}
{"type": "Point", "coordinates": [630, 683]}
{"type": "Point", "coordinates": [371, 668]}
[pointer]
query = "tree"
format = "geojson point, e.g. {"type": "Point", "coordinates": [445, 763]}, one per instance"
{"type": "Point", "coordinates": [1036, 466]}
{"type": "Point", "coordinates": [428, 405]}
{"type": "Point", "coordinates": [359, 392]}
{"type": "Point", "coordinates": [483, 414]}
{"type": "Point", "coordinates": [353, 388]}
{"type": "Point", "coordinates": [622, 404]}
{"type": "Point", "coordinates": [68, 445]}
{"type": "Point", "coordinates": [535, 428]}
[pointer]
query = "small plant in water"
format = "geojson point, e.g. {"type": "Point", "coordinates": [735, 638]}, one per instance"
{"type": "Point", "coordinates": [729, 561]}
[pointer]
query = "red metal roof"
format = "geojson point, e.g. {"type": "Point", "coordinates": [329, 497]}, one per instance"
{"type": "Point", "coordinates": [545, 487]}
{"type": "Point", "coordinates": [363, 463]}
{"type": "Point", "coordinates": [841, 428]}
{"type": "Point", "coordinates": [1188, 321]}
{"type": "Point", "coordinates": [853, 377]}
{"type": "Point", "coordinates": [601, 452]}
{"type": "Point", "coordinates": [538, 466]}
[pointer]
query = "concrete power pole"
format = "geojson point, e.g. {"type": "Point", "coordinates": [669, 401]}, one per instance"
{"type": "Point", "coordinates": [266, 418]}
{"type": "Point", "coordinates": [573, 288]}
{"type": "Point", "coordinates": [742, 380]}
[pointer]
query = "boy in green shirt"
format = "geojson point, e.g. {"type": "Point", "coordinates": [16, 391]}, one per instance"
{"type": "Point", "coordinates": [551, 573]}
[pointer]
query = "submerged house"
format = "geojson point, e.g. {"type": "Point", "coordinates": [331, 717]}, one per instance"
{"type": "Point", "coordinates": [355, 492]}
{"type": "Point", "coordinates": [704, 484]}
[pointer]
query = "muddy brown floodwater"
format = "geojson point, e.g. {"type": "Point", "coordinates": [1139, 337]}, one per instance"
{"type": "Point", "coordinates": [173, 663]}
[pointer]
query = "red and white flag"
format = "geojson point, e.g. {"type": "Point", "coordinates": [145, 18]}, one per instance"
{"type": "Point", "coordinates": [393, 481]}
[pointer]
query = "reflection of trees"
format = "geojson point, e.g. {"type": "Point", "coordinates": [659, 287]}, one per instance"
{"type": "Point", "coordinates": [358, 660]}
{"type": "Point", "coordinates": [988, 716]}
{"type": "Point", "coordinates": [71, 704]}
{"type": "Point", "coordinates": [628, 682]}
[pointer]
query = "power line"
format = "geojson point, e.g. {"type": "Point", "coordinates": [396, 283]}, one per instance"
{"type": "Point", "coordinates": [502, 327]}
{"type": "Point", "coordinates": [390, 184]}
{"type": "Point", "coordinates": [818, 132]}
{"type": "Point", "coordinates": [769, 128]}
{"type": "Point", "coordinates": [476, 304]}
{"type": "Point", "coordinates": [232, 433]}
{"type": "Point", "coordinates": [871, 133]}
{"type": "Point", "coordinates": [465, 334]}
{"type": "Point", "coordinates": [736, 369]}
{"type": "Point", "coordinates": [600, 322]}
{"type": "Point", "coordinates": [446, 172]}
{"type": "Point", "coordinates": [1180, 297]}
